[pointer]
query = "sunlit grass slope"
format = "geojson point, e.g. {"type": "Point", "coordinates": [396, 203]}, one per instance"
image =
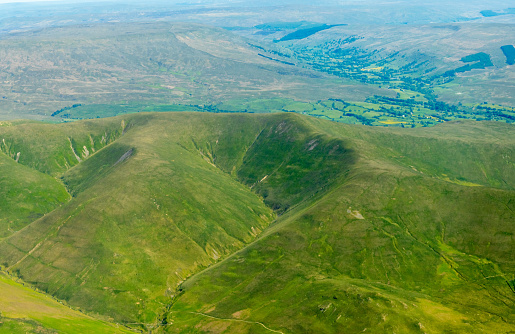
{"type": "Point", "coordinates": [27, 188]}
{"type": "Point", "coordinates": [186, 222]}
{"type": "Point", "coordinates": [23, 310]}
{"type": "Point", "coordinates": [52, 148]}
{"type": "Point", "coordinates": [147, 211]}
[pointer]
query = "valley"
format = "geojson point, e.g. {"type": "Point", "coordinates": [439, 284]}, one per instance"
{"type": "Point", "coordinates": [257, 167]}
{"type": "Point", "coordinates": [390, 76]}
{"type": "Point", "coordinates": [179, 221]}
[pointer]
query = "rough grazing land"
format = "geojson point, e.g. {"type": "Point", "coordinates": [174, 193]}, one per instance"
{"type": "Point", "coordinates": [269, 223]}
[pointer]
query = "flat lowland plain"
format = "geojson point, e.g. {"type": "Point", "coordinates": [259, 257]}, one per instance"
{"type": "Point", "coordinates": [238, 223]}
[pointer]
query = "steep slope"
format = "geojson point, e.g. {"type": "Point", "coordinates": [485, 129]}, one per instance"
{"type": "Point", "coordinates": [53, 149]}
{"type": "Point", "coordinates": [25, 195]}
{"type": "Point", "coordinates": [150, 216]}
{"type": "Point", "coordinates": [391, 249]}
{"type": "Point", "coordinates": [171, 225]}
{"type": "Point", "coordinates": [155, 205]}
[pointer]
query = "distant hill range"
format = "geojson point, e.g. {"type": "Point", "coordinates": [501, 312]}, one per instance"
{"type": "Point", "coordinates": [118, 68]}
{"type": "Point", "coordinates": [43, 73]}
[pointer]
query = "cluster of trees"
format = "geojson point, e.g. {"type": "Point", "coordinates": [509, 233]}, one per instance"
{"type": "Point", "coordinates": [57, 112]}
{"type": "Point", "coordinates": [479, 60]}
{"type": "Point", "coordinates": [396, 101]}
{"type": "Point", "coordinates": [509, 52]}
{"type": "Point", "coordinates": [306, 32]}
{"type": "Point", "coordinates": [496, 113]}
{"type": "Point", "coordinates": [361, 118]}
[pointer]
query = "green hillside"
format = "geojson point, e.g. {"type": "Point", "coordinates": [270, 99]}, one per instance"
{"type": "Point", "coordinates": [237, 223]}
{"type": "Point", "coordinates": [26, 311]}
{"type": "Point", "coordinates": [25, 195]}
{"type": "Point", "coordinates": [390, 249]}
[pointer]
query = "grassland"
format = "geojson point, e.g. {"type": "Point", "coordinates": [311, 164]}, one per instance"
{"type": "Point", "coordinates": [25, 195]}
{"type": "Point", "coordinates": [223, 222]}
{"type": "Point", "coordinates": [164, 190]}
{"type": "Point", "coordinates": [363, 244]}
{"type": "Point", "coordinates": [201, 222]}
{"type": "Point", "coordinates": [24, 310]}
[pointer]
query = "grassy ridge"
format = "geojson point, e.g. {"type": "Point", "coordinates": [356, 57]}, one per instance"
{"type": "Point", "coordinates": [445, 152]}
{"type": "Point", "coordinates": [139, 225]}
{"type": "Point", "coordinates": [389, 250]}
{"type": "Point", "coordinates": [378, 229]}
{"type": "Point", "coordinates": [53, 149]}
